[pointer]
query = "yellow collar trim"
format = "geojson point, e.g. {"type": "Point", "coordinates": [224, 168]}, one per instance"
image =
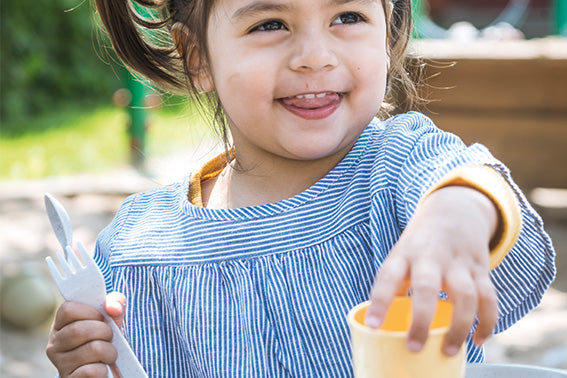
{"type": "Point", "coordinates": [210, 170]}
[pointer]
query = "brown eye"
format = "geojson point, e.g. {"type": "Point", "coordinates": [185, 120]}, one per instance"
{"type": "Point", "coordinates": [348, 18]}
{"type": "Point", "coordinates": [271, 25]}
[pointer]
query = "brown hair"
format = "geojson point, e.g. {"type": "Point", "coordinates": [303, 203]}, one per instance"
{"type": "Point", "coordinates": [134, 28]}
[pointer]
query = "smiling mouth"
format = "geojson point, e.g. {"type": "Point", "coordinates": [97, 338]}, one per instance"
{"type": "Point", "coordinates": [312, 106]}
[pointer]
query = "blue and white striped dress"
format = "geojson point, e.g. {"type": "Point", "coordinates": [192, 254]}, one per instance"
{"type": "Point", "coordinates": [264, 291]}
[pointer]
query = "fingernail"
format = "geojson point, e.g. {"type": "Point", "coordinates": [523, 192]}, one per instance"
{"type": "Point", "coordinates": [414, 346]}
{"type": "Point", "coordinates": [373, 321]}
{"type": "Point", "coordinates": [451, 350]}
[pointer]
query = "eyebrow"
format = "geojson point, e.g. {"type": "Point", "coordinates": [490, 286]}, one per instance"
{"type": "Point", "coordinates": [341, 2]}
{"type": "Point", "coordinates": [263, 6]}
{"type": "Point", "coordinates": [259, 7]}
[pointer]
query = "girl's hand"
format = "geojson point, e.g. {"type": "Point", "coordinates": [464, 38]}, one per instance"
{"type": "Point", "coordinates": [80, 341]}
{"type": "Point", "coordinates": [445, 246]}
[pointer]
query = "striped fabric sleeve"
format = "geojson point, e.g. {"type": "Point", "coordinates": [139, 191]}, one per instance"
{"type": "Point", "coordinates": [430, 154]}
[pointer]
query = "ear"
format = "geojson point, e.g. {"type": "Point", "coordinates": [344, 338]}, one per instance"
{"type": "Point", "coordinates": [197, 68]}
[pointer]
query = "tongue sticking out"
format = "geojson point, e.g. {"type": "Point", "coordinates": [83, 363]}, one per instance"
{"type": "Point", "coordinates": [315, 102]}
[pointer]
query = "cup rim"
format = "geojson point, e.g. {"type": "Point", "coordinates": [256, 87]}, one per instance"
{"type": "Point", "coordinates": [376, 332]}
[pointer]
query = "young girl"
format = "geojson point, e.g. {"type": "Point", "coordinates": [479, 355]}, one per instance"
{"type": "Point", "coordinates": [250, 266]}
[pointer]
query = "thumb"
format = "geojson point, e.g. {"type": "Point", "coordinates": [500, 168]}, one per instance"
{"type": "Point", "coordinates": [115, 306]}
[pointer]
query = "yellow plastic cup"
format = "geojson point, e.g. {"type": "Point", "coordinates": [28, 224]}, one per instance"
{"type": "Point", "coordinates": [382, 353]}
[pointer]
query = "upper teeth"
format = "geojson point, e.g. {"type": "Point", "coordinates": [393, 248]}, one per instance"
{"type": "Point", "coordinates": [312, 95]}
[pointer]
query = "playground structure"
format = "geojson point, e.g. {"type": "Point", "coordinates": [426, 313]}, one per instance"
{"type": "Point", "coordinates": [510, 96]}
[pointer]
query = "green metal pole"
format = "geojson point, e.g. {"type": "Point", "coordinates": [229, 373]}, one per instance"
{"type": "Point", "coordinates": [560, 17]}
{"type": "Point", "coordinates": [138, 118]}
{"type": "Point", "coordinates": [137, 108]}
{"type": "Point", "coordinates": [419, 14]}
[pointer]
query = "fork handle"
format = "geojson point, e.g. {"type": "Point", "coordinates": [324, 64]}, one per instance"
{"type": "Point", "coordinates": [126, 362]}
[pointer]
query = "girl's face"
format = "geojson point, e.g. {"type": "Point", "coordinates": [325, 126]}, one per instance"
{"type": "Point", "coordinates": [298, 79]}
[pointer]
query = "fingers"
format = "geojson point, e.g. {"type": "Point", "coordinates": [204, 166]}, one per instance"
{"type": "Point", "coordinates": [469, 288]}
{"type": "Point", "coordinates": [487, 308]}
{"type": "Point", "coordinates": [463, 293]}
{"type": "Point", "coordinates": [81, 332]}
{"type": "Point", "coordinates": [96, 349]}
{"type": "Point", "coordinates": [70, 312]}
{"type": "Point", "coordinates": [80, 341]}
{"type": "Point", "coordinates": [91, 370]}
{"type": "Point", "coordinates": [115, 307]}
{"type": "Point", "coordinates": [426, 285]}
{"type": "Point", "coordinates": [92, 353]}
{"type": "Point", "coordinates": [71, 328]}
{"type": "Point", "coordinates": [392, 276]}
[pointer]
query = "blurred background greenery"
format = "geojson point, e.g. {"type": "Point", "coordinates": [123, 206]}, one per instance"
{"type": "Point", "coordinates": [58, 77]}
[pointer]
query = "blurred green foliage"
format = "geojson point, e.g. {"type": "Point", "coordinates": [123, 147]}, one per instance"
{"type": "Point", "coordinates": [94, 139]}
{"type": "Point", "coordinates": [52, 53]}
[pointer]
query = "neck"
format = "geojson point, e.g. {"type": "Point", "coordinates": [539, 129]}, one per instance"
{"type": "Point", "coordinates": [245, 182]}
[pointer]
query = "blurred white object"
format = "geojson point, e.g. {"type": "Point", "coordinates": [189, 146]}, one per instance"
{"type": "Point", "coordinates": [463, 31]}
{"type": "Point", "coordinates": [502, 31]}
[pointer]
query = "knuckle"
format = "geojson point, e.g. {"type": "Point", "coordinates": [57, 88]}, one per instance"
{"type": "Point", "coordinates": [425, 286]}
{"type": "Point", "coordinates": [112, 355]}
{"type": "Point", "coordinates": [102, 350]}
{"type": "Point", "coordinates": [65, 307]}
{"type": "Point", "coordinates": [386, 273]}
{"type": "Point", "coordinates": [62, 313]}
{"type": "Point", "coordinates": [481, 270]}
{"type": "Point", "coordinates": [76, 330]}
{"type": "Point", "coordinates": [84, 331]}
{"type": "Point", "coordinates": [486, 291]}
{"type": "Point", "coordinates": [468, 295]}
{"type": "Point", "coordinates": [66, 310]}
{"type": "Point", "coordinates": [464, 293]}
{"type": "Point", "coordinates": [51, 352]}
{"type": "Point", "coordinates": [97, 348]}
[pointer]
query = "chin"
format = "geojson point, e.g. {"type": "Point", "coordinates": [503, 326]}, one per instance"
{"type": "Point", "coordinates": [315, 151]}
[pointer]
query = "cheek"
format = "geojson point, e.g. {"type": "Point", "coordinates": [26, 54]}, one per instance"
{"type": "Point", "coordinates": [246, 95]}
{"type": "Point", "coordinates": [246, 80]}
{"type": "Point", "coordinates": [371, 78]}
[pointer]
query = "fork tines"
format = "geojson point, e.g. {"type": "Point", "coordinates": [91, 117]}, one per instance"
{"type": "Point", "coordinates": [69, 266]}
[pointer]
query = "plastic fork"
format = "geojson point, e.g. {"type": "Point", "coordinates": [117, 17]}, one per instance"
{"type": "Point", "coordinates": [84, 283]}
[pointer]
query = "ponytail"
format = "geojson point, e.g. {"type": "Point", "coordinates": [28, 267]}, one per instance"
{"type": "Point", "coordinates": [138, 42]}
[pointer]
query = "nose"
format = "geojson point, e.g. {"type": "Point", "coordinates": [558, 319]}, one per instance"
{"type": "Point", "coordinates": [313, 51]}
